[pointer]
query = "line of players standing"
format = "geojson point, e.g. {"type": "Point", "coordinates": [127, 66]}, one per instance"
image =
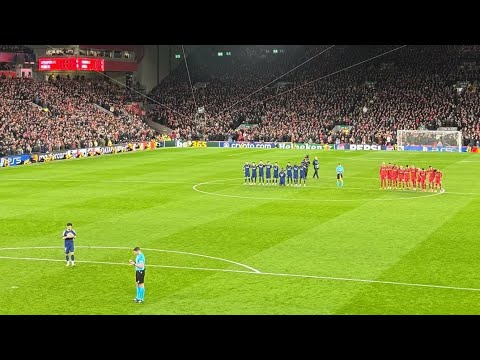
{"type": "Point", "coordinates": [295, 175]}
{"type": "Point", "coordinates": [409, 177]}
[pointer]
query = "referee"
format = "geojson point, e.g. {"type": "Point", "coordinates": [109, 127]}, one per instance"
{"type": "Point", "coordinates": [315, 167]}
{"type": "Point", "coordinates": [139, 274]}
{"type": "Point", "coordinates": [339, 170]}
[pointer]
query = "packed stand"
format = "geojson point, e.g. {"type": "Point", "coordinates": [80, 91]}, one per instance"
{"type": "Point", "coordinates": [43, 116]}
{"type": "Point", "coordinates": [412, 88]}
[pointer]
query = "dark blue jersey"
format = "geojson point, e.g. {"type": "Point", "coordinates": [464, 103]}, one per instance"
{"type": "Point", "coordinates": [302, 172]}
{"type": "Point", "coordinates": [254, 170]}
{"type": "Point", "coordinates": [68, 243]}
{"type": "Point", "coordinates": [268, 169]}
{"type": "Point", "coordinates": [289, 170]}
{"type": "Point", "coordinates": [295, 171]}
{"type": "Point", "coordinates": [260, 170]}
{"type": "Point", "coordinates": [282, 177]}
{"type": "Point", "coordinates": [69, 234]}
{"type": "Point", "coordinates": [316, 164]}
{"type": "Point", "coordinates": [246, 170]}
{"type": "Point", "coordinates": [275, 171]}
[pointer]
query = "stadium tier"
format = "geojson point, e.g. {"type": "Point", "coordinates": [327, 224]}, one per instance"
{"type": "Point", "coordinates": [325, 95]}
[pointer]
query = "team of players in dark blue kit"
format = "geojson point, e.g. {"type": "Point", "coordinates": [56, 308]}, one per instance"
{"type": "Point", "coordinates": [268, 174]}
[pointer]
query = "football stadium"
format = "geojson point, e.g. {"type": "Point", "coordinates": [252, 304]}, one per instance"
{"type": "Point", "coordinates": [239, 179]}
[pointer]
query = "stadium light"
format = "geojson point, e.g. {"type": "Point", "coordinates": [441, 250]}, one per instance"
{"type": "Point", "coordinates": [220, 53]}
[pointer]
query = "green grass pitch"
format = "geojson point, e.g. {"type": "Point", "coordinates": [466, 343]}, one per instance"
{"type": "Point", "coordinates": [216, 246]}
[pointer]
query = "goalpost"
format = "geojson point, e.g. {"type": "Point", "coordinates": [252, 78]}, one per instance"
{"type": "Point", "coordinates": [433, 138]}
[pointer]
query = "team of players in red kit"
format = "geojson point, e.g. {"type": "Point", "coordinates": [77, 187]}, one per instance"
{"type": "Point", "coordinates": [409, 177]}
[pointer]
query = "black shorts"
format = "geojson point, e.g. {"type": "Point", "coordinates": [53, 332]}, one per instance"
{"type": "Point", "coordinates": [339, 176]}
{"type": "Point", "coordinates": [140, 276]}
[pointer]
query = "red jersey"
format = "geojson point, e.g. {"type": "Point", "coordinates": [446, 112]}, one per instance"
{"type": "Point", "coordinates": [413, 174]}
{"type": "Point", "coordinates": [389, 172]}
{"type": "Point", "coordinates": [401, 174]}
{"type": "Point", "coordinates": [438, 176]}
{"type": "Point", "coordinates": [394, 174]}
{"type": "Point", "coordinates": [421, 176]}
{"type": "Point", "coordinates": [383, 172]}
{"type": "Point", "coordinates": [431, 175]}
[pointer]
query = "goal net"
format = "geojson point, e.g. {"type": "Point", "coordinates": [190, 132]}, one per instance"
{"type": "Point", "coordinates": [430, 138]}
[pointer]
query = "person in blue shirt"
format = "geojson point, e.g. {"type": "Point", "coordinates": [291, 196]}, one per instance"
{"type": "Point", "coordinates": [261, 177]}
{"type": "Point", "coordinates": [268, 172]}
{"type": "Point", "coordinates": [303, 175]}
{"type": "Point", "coordinates": [289, 174]}
{"type": "Point", "coordinates": [295, 174]}
{"type": "Point", "coordinates": [139, 264]}
{"type": "Point", "coordinates": [253, 177]}
{"type": "Point", "coordinates": [276, 168]}
{"type": "Point", "coordinates": [339, 175]}
{"type": "Point", "coordinates": [281, 176]}
{"type": "Point", "coordinates": [68, 236]}
{"type": "Point", "coordinates": [246, 172]}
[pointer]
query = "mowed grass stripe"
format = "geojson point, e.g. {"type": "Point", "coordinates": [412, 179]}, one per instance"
{"type": "Point", "coordinates": [447, 256]}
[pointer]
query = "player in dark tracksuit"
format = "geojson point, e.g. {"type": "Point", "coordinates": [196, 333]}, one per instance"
{"type": "Point", "coordinates": [281, 176]}
{"type": "Point", "coordinates": [289, 174]}
{"type": "Point", "coordinates": [276, 169]}
{"type": "Point", "coordinates": [268, 172]}
{"type": "Point", "coordinates": [295, 174]}
{"type": "Point", "coordinates": [261, 177]}
{"type": "Point", "coordinates": [253, 176]}
{"type": "Point", "coordinates": [303, 175]}
{"type": "Point", "coordinates": [316, 166]}
{"type": "Point", "coordinates": [306, 161]}
{"type": "Point", "coordinates": [246, 173]}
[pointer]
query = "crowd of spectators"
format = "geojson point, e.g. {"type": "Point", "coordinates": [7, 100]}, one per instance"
{"type": "Point", "coordinates": [411, 88]}
{"type": "Point", "coordinates": [43, 116]}
{"type": "Point", "coordinates": [415, 87]}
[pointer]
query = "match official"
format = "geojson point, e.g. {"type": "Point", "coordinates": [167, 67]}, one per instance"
{"type": "Point", "coordinates": [139, 274]}
{"type": "Point", "coordinates": [339, 175]}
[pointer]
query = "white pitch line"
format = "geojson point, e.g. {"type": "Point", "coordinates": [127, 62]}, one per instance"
{"type": "Point", "coordinates": [177, 252]}
{"type": "Point", "coordinates": [195, 188]}
{"type": "Point", "coordinates": [460, 193]}
{"type": "Point", "coordinates": [372, 281]}
{"type": "Point", "coordinates": [328, 278]}
{"type": "Point", "coordinates": [127, 248]}
{"type": "Point", "coordinates": [126, 264]}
